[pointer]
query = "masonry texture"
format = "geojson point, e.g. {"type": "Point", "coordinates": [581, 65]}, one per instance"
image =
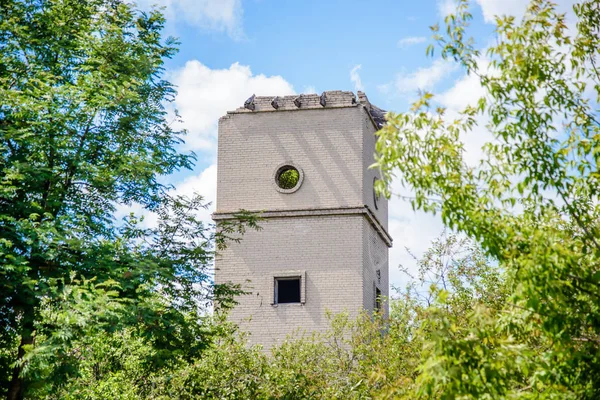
{"type": "Point", "coordinates": [331, 232]}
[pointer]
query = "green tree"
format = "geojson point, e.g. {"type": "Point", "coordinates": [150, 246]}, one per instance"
{"type": "Point", "coordinates": [366, 358]}
{"type": "Point", "coordinates": [532, 203]}
{"type": "Point", "coordinates": [83, 129]}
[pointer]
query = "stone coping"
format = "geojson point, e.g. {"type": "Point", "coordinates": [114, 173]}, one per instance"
{"type": "Point", "coordinates": [332, 99]}
{"type": "Point", "coordinates": [316, 212]}
{"type": "Point", "coordinates": [312, 101]}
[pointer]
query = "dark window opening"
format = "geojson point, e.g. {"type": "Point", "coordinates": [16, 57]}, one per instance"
{"type": "Point", "coordinates": [375, 194]}
{"type": "Point", "coordinates": [287, 290]}
{"type": "Point", "coordinates": [377, 299]}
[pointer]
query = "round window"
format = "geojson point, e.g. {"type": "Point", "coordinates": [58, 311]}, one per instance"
{"type": "Point", "coordinates": [288, 178]}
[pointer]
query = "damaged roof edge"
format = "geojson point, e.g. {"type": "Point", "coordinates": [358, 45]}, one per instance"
{"type": "Point", "coordinates": [328, 99]}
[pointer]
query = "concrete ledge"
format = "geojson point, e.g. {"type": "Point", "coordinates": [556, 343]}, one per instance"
{"type": "Point", "coordinates": [317, 212]}
{"type": "Point", "coordinates": [333, 99]}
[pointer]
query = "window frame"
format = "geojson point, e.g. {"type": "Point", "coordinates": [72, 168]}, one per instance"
{"type": "Point", "coordinates": [277, 173]}
{"type": "Point", "coordinates": [288, 275]}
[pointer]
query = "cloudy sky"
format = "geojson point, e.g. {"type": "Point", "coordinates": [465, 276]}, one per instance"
{"type": "Point", "coordinates": [231, 49]}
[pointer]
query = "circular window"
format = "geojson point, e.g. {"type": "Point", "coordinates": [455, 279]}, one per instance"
{"type": "Point", "coordinates": [288, 178]}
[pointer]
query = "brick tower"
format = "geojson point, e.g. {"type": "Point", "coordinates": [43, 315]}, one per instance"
{"type": "Point", "coordinates": [303, 161]}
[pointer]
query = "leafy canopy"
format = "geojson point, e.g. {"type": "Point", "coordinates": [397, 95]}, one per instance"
{"type": "Point", "coordinates": [84, 129]}
{"type": "Point", "coordinates": [352, 360]}
{"type": "Point", "coordinates": [532, 202]}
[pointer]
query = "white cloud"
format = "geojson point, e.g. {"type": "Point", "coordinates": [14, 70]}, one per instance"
{"type": "Point", "coordinates": [421, 79]}
{"type": "Point", "coordinates": [213, 15]}
{"type": "Point", "coordinates": [205, 94]}
{"type": "Point", "coordinates": [465, 91]}
{"type": "Point", "coordinates": [355, 77]}
{"type": "Point", "coordinates": [416, 230]}
{"type": "Point", "coordinates": [410, 41]}
{"type": "Point", "coordinates": [412, 230]}
{"type": "Point", "coordinates": [205, 184]}
{"type": "Point", "coordinates": [150, 219]}
{"type": "Point", "coordinates": [446, 7]}
{"type": "Point", "coordinates": [309, 90]}
{"type": "Point", "coordinates": [491, 8]}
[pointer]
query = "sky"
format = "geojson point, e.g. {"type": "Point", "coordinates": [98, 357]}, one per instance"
{"type": "Point", "coordinates": [231, 49]}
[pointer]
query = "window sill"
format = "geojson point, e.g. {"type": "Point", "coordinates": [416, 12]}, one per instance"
{"type": "Point", "coordinates": [287, 304]}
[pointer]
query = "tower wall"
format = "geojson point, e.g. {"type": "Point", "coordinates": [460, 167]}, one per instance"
{"type": "Point", "coordinates": [331, 231]}
{"type": "Point", "coordinates": [375, 258]}
{"type": "Point", "coordinates": [327, 144]}
{"type": "Point", "coordinates": [323, 248]}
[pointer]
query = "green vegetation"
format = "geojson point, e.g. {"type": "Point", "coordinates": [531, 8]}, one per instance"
{"type": "Point", "coordinates": [365, 358]}
{"type": "Point", "coordinates": [507, 306]}
{"type": "Point", "coordinates": [288, 178]}
{"type": "Point", "coordinates": [532, 203]}
{"type": "Point", "coordinates": [83, 129]}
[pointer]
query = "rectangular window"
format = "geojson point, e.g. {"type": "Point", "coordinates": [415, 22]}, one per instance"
{"type": "Point", "coordinates": [288, 287]}
{"type": "Point", "coordinates": [377, 299]}
{"type": "Point", "coordinates": [287, 290]}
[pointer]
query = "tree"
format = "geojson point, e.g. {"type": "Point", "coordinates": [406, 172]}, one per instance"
{"type": "Point", "coordinates": [532, 202]}
{"type": "Point", "coordinates": [83, 129]}
{"type": "Point", "coordinates": [354, 359]}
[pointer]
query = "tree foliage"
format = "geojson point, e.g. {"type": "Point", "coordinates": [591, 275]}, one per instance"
{"type": "Point", "coordinates": [355, 359]}
{"type": "Point", "coordinates": [84, 129]}
{"type": "Point", "coordinates": [532, 202]}
{"type": "Point", "coordinates": [507, 306]}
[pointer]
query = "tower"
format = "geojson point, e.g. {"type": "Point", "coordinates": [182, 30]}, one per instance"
{"type": "Point", "coordinates": [304, 162]}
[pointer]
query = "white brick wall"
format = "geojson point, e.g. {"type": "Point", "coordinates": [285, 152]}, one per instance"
{"type": "Point", "coordinates": [327, 249]}
{"type": "Point", "coordinates": [326, 144]}
{"type": "Point", "coordinates": [375, 257]}
{"type": "Point", "coordinates": [337, 255]}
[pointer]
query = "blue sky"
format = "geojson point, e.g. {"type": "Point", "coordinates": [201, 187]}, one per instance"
{"type": "Point", "coordinates": [315, 44]}
{"type": "Point", "coordinates": [231, 49]}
